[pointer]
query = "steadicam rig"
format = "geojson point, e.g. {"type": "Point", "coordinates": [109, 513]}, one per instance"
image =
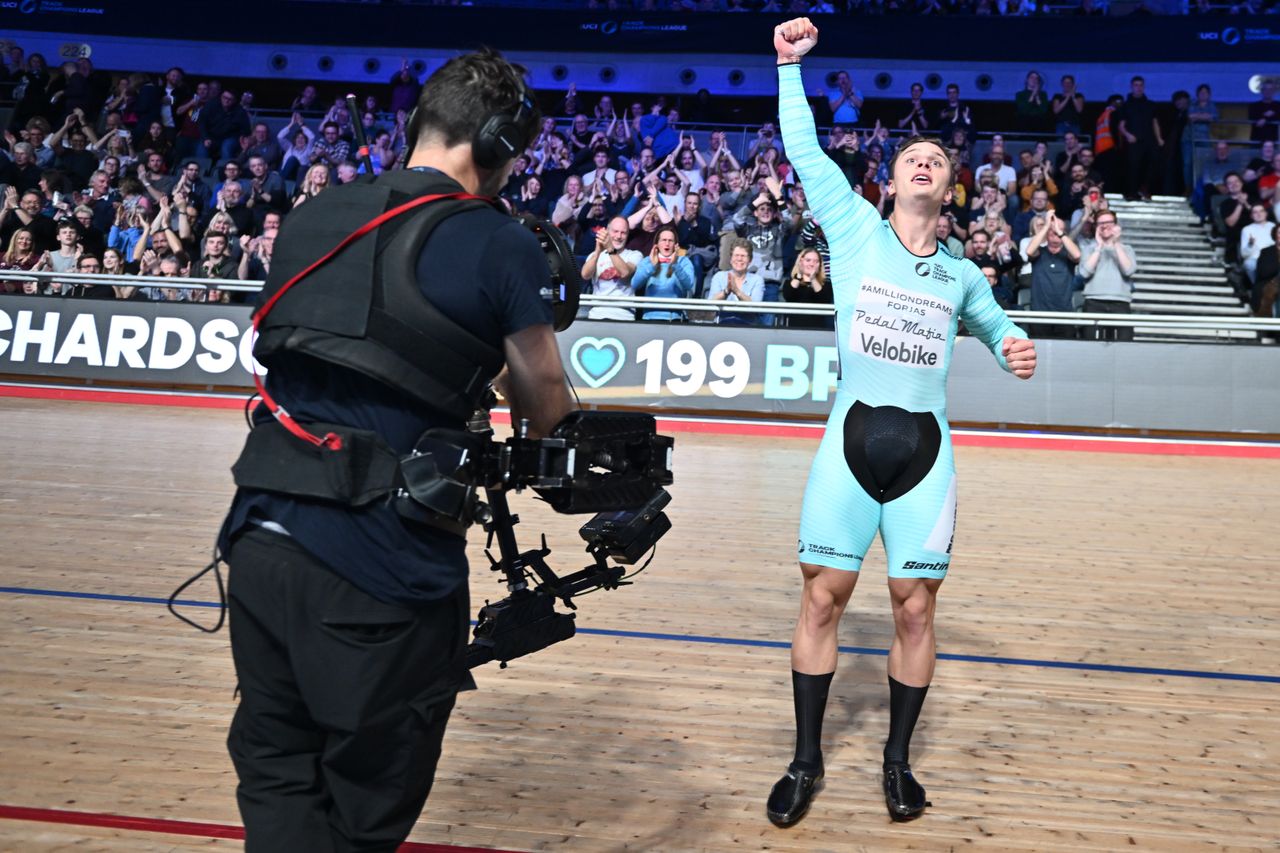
{"type": "Point", "coordinates": [613, 464]}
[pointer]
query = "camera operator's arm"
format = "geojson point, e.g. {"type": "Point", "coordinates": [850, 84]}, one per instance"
{"type": "Point", "coordinates": [534, 385]}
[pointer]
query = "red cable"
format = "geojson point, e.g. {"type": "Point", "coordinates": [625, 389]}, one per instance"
{"type": "Point", "coordinates": [332, 440]}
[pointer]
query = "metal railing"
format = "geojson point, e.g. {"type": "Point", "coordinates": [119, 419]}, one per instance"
{"type": "Point", "coordinates": [1163, 322]}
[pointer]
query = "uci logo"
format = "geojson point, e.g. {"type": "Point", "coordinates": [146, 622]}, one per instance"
{"type": "Point", "coordinates": [799, 546]}
{"type": "Point", "coordinates": [1230, 36]}
{"type": "Point", "coordinates": [922, 269]}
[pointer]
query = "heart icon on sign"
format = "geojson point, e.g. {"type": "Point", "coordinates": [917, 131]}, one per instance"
{"type": "Point", "coordinates": [597, 360]}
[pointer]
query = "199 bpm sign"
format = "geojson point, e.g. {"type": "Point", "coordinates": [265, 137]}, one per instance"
{"type": "Point", "coordinates": [629, 367]}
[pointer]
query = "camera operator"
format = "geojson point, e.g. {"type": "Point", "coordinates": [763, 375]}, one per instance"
{"type": "Point", "coordinates": [348, 622]}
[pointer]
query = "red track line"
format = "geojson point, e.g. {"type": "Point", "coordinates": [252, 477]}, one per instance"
{"type": "Point", "coordinates": [1011, 441]}
{"type": "Point", "coordinates": [183, 827]}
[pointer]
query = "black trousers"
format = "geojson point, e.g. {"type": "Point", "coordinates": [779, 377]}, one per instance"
{"type": "Point", "coordinates": [1108, 333]}
{"type": "Point", "coordinates": [343, 701]}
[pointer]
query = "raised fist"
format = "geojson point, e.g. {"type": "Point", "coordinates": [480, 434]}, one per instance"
{"type": "Point", "coordinates": [794, 38]}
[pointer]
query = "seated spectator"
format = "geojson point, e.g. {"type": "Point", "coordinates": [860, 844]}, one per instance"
{"type": "Point", "coordinates": [1053, 256]}
{"type": "Point", "coordinates": [330, 149]}
{"type": "Point", "coordinates": [609, 268]}
{"type": "Point", "coordinates": [259, 143]}
{"type": "Point", "coordinates": [737, 284]}
{"type": "Point", "coordinates": [1038, 205]}
{"type": "Point", "coordinates": [531, 198]}
{"type": "Point", "coordinates": [191, 185]}
{"type": "Point", "coordinates": [601, 170]}
{"type": "Point", "coordinates": [988, 199]}
{"type": "Point", "coordinates": [21, 171]}
{"type": "Point", "coordinates": [690, 165]}
{"type": "Point", "coordinates": [255, 256]}
{"type": "Point", "coordinates": [217, 261]}
{"type": "Point", "coordinates": [307, 102]}
{"type": "Point", "coordinates": [1000, 290]}
{"type": "Point", "coordinates": [113, 263]}
{"type": "Point", "coordinates": [994, 223]}
{"type": "Point", "coordinates": [1036, 181]}
{"type": "Point", "coordinates": [946, 236]}
{"type": "Point", "coordinates": [807, 285]}
{"type": "Point", "coordinates": [1006, 177]}
{"type": "Point", "coordinates": [230, 201]}
{"type": "Point", "coordinates": [168, 267]}
{"type": "Point", "coordinates": [1108, 266]}
{"type": "Point", "coordinates": [1255, 237]}
{"type": "Point", "coordinates": [999, 253]}
{"type": "Point", "coordinates": [644, 224]}
{"type": "Point", "coordinates": [297, 143]}
{"type": "Point", "coordinates": [21, 254]}
{"type": "Point", "coordinates": [316, 180]}
{"type": "Point", "coordinates": [266, 190]}
{"type": "Point", "coordinates": [1083, 220]}
{"type": "Point", "coordinates": [698, 234]}
{"type": "Point", "coordinates": [74, 159]}
{"type": "Point", "coordinates": [762, 227]}
{"type": "Point", "coordinates": [655, 132]}
{"type": "Point", "coordinates": [1071, 195]}
{"type": "Point", "coordinates": [222, 124]}
{"type": "Point", "coordinates": [156, 141]}
{"type": "Point", "coordinates": [665, 274]}
{"type": "Point", "coordinates": [671, 191]}
{"type": "Point", "coordinates": [1233, 212]}
{"type": "Point", "coordinates": [91, 239]}
{"type": "Point", "coordinates": [187, 119]}
{"type": "Point", "coordinates": [231, 174]}
{"type": "Point", "coordinates": [384, 151]}
{"type": "Point", "coordinates": [593, 219]}
{"type": "Point", "coordinates": [125, 233]}
{"type": "Point", "coordinates": [843, 149]}
{"type": "Point", "coordinates": [1266, 283]}
{"type": "Point", "coordinates": [88, 264]}
{"type": "Point", "coordinates": [22, 211]}
{"type": "Point", "coordinates": [620, 195]}
{"type": "Point", "coordinates": [569, 205]}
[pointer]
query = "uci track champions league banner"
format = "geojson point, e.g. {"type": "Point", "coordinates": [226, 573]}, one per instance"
{"type": "Point", "coordinates": [662, 366]}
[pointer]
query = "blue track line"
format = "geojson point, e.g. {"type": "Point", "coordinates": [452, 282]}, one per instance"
{"type": "Point", "coordinates": [737, 641]}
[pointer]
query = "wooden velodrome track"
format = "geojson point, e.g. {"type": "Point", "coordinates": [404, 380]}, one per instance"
{"type": "Point", "coordinates": [1109, 676]}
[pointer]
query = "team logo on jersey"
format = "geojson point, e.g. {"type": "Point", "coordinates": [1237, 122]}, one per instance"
{"type": "Point", "coordinates": [922, 268]}
{"type": "Point", "coordinates": [905, 327]}
{"type": "Point", "coordinates": [941, 274]}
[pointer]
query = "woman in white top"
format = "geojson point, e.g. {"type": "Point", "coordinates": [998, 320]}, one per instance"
{"type": "Point", "coordinates": [1255, 237]}
{"type": "Point", "coordinates": [297, 141]}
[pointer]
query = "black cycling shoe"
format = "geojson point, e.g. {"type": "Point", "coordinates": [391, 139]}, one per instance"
{"type": "Point", "coordinates": [790, 797]}
{"type": "Point", "coordinates": [902, 793]}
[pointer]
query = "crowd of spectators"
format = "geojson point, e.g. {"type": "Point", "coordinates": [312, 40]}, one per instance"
{"type": "Point", "coordinates": [895, 7]}
{"type": "Point", "coordinates": [162, 177]}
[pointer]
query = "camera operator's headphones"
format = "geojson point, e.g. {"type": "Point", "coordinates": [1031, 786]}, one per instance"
{"type": "Point", "coordinates": [499, 137]}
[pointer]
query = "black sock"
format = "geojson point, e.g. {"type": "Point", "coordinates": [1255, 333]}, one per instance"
{"type": "Point", "coordinates": [810, 693]}
{"type": "Point", "coordinates": [904, 709]}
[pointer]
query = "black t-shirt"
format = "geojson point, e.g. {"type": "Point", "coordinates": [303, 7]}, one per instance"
{"type": "Point", "coordinates": [484, 271]}
{"type": "Point", "coordinates": [1138, 115]}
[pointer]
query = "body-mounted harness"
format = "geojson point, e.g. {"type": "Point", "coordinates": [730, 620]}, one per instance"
{"type": "Point", "coordinates": [331, 440]}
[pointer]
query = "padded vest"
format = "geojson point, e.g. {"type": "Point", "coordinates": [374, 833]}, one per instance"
{"type": "Point", "coordinates": [364, 310]}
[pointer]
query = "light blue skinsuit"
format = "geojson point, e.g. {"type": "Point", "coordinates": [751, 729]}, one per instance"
{"type": "Point", "coordinates": [896, 320]}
